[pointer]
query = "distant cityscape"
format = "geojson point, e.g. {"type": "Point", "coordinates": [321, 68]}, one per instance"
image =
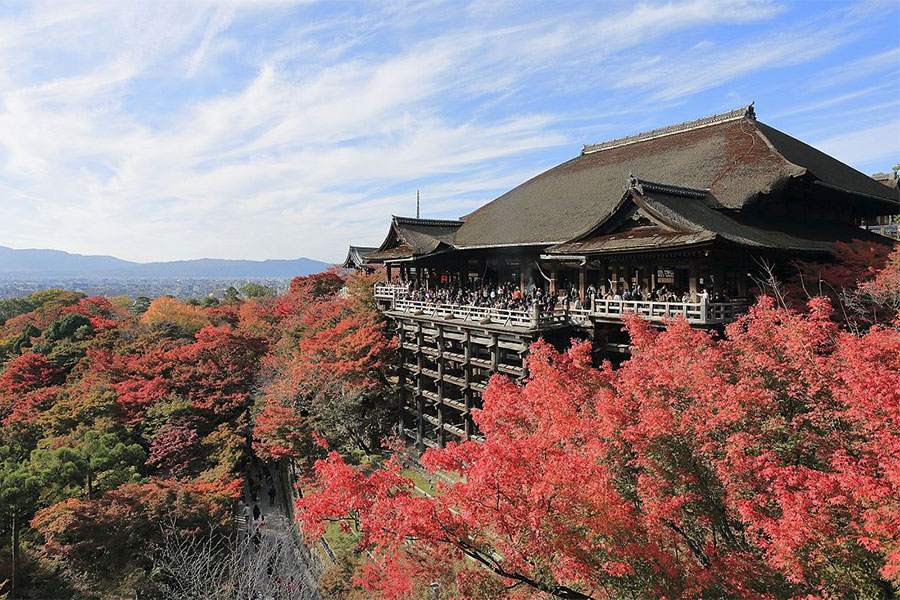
{"type": "Point", "coordinates": [25, 271]}
{"type": "Point", "coordinates": [183, 288]}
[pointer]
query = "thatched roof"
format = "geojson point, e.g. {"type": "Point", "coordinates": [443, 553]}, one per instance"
{"type": "Point", "coordinates": [732, 156]}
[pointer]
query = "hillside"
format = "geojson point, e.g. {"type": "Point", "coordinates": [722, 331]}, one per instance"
{"type": "Point", "coordinates": [56, 263]}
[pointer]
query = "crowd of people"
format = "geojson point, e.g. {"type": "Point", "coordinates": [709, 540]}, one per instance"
{"type": "Point", "coordinates": [502, 296]}
{"type": "Point", "coordinates": [662, 294]}
{"type": "Point", "coordinates": [508, 296]}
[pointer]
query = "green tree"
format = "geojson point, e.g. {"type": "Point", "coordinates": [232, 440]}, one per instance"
{"type": "Point", "coordinates": [209, 302]}
{"type": "Point", "coordinates": [256, 290]}
{"type": "Point", "coordinates": [66, 327]}
{"type": "Point", "coordinates": [19, 487]}
{"type": "Point", "coordinates": [140, 306]}
{"type": "Point", "coordinates": [13, 307]}
{"type": "Point", "coordinates": [94, 463]}
{"type": "Point", "coordinates": [231, 294]}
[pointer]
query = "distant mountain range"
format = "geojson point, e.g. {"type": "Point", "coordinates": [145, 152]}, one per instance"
{"type": "Point", "coordinates": [55, 263]}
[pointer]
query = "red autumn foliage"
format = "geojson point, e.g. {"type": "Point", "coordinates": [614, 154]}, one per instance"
{"type": "Point", "coordinates": [854, 265]}
{"type": "Point", "coordinates": [279, 432]}
{"type": "Point", "coordinates": [216, 372]}
{"type": "Point", "coordinates": [317, 285]}
{"type": "Point", "coordinates": [104, 536]}
{"type": "Point", "coordinates": [880, 296]}
{"type": "Point", "coordinates": [174, 449]}
{"type": "Point", "coordinates": [26, 374]}
{"type": "Point", "coordinates": [30, 405]}
{"type": "Point", "coordinates": [352, 352]}
{"type": "Point", "coordinates": [327, 370]}
{"type": "Point", "coordinates": [760, 465]}
{"type": "Point", "coordinates": [98, 309]}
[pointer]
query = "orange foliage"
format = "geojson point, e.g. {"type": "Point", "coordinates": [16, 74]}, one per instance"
{"type": "Point", "coordinates": [169, 311]}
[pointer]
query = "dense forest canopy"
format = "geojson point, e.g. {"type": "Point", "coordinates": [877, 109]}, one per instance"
{"type": "Point", "coordinates": [757, 463]}
{"type": "Point", "coordinates": [117, 416]}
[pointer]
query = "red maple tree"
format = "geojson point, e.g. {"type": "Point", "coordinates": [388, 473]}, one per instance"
{"type": "Point", "coordinates": [759, 465]}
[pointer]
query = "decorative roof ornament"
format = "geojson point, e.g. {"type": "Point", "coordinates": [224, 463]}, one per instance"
{"type": "Point", "coordinates": [633, 184]}
{"type": "Point", "coordinates": [746, 112]}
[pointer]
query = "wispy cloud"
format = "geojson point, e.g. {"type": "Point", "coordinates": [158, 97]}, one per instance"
{"type": "Point", "coordinates": [255, 128]}
{"type": "Point", "coordinates": [882, 65]}
{"type": "Point", "coordinates": [872, 144]}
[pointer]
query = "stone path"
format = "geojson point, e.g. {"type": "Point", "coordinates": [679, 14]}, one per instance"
{"type": "Point", "coordinates": [287, 569]}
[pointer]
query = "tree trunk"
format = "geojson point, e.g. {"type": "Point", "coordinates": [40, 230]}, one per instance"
{"type": "Point", "coordinates": [15, 554]}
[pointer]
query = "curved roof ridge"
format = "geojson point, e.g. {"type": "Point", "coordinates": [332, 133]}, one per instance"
{"type": "Point", "coordinates": [418, 221]}
{"type": "Point", "coordinates": [731, 115]}
{"type": "Point", "coordinates": [673, 190]}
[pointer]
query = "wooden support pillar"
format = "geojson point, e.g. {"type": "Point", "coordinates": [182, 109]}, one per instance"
{"type": "Point", "coordinates": [495, 353]}
{"type": "Point", "coordinates": [388, 268]}
{"type": "Point", "coordinates": [467, 377]}
{"type": "Point", "coordinates": [442, 434]}
{"type": "Point", "coordinates": [554, 272]}
{"type": "Point", "coordinates": [582, 274]}
{"type": "Point", "coordinates": [604, 279]}
{"type": "Point", "coordinates": [420, 399]}
{"type": "Point", "coordinates": [523, 266]}
{"type": "Point", "coordinates": [692, 280]}
{"type": "Point", "coordinates": [401, 381]}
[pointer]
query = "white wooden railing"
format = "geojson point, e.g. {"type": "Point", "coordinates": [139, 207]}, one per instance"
{"type": "Point", "coordinates": [480, 314]}
{"type": "Point", "coordinates": [387, 291]}
{"type": "Point", "coordinates": [704, 313]}
{"type": "Point", "coordinates": [698, 313]}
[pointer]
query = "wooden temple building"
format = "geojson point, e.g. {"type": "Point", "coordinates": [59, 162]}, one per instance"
{"type": "Point", "coordinates": [356, 258]}
{"type": "Point", "coordinates": [698, 210]}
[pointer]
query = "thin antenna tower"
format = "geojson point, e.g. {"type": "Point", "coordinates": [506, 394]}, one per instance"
{"type": "Point", "coordinates": [417, 204]}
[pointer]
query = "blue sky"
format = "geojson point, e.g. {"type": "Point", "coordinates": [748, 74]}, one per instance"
{"type": "Point", "coordinates": [276, 129]}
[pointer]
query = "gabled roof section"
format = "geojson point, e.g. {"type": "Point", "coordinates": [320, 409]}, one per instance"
{"type": "Point", "coordinates": [732, 155]}
{"type": "Point", "coordinates": [356, 257]}
{"type": "Point", "coordinates": [827, 169]}
{"type": "Point", "coordinates": [409, 237]}
{"type": "Point", "coordinates": [670, 216]}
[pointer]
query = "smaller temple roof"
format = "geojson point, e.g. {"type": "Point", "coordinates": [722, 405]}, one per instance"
{"type": "Point", "coordinates": [888, 179]}
{"type": "Point", "coordinates": [409, 237]}
{"type": "Point", "coordinates": [356, 257]}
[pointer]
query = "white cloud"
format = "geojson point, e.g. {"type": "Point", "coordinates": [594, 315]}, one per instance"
{"type": "Point", "coordinates": [263, 129]}
{"type": "Point", "coordinates": [880, 143]}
